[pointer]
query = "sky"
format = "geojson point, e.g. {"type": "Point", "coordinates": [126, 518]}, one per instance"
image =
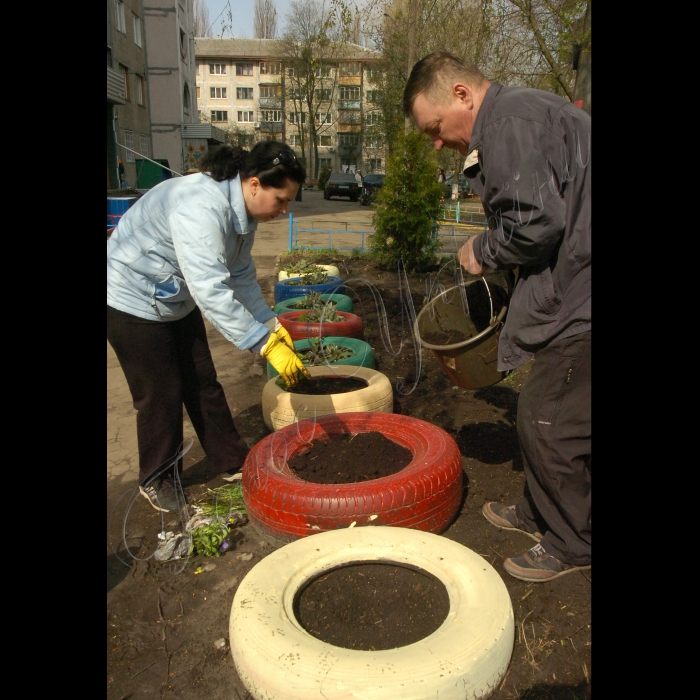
{"type": "Point", "coordinates": [243, 12]}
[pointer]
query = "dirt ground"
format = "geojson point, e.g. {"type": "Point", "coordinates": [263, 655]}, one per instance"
{"type": "Point", "coordinates": [167, 630]}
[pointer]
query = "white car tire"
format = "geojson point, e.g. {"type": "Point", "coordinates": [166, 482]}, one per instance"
{"type": "Point", "coordinates": [466, 657]}
{"type": "Point", "coordinates": [282, 408]}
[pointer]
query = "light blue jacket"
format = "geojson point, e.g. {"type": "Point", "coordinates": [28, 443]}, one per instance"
{"type": "Point", "coordinates": [187, 242]}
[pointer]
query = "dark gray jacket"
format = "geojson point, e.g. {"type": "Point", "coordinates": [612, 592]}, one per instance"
{"type": "Point", "coordinates": [533, 175]}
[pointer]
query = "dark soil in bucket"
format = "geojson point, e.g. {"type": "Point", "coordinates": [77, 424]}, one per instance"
{"type": "Point", "coordinates": [348, 459]}
{"type": "Point", "coordinates": [327, 385]}
{"type": "Point", "coordinates": [477, 314]}
{"type": "Point", "coordinates": [372, 606]}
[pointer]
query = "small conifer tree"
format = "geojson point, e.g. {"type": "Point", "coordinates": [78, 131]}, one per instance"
{"type": "Point", "coordinates": [408, 206]}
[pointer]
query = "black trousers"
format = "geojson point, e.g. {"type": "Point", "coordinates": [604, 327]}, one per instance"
{"type": "Point", "coordinates": [168, 364]}
{"type": "Point", "coordinates": [554, 428]}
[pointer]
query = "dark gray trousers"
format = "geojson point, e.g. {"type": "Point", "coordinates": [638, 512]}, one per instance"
{"type": "Point", "coordinates": [554, 428]}
{"type": "Point", "coordinates": [168, 364]}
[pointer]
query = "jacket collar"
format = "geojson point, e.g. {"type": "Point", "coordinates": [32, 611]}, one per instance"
{"type": "Point", "coordinates": [241, 222]}
{"type": "Point", "coordinates": [475, 142]}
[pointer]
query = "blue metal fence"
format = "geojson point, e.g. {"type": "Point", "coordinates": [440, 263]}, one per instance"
{"type": "Point", "coordinates": [452, 236]}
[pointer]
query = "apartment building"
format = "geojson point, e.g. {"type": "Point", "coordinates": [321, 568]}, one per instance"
{"type": "Point", "coordinates": [244, 87]}
{"type": "Point", "coordinates": [128, 113]}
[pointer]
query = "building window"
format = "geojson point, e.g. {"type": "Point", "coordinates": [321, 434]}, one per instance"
{"type": "Point", "coordinates": [186, 99]}
{"type": "Point", "coordinates": [125, 72]}
{"type": "Point", "coordinates": [247, 116]}
{"type": "Point", "coordinates": [270, 90]}
{"type": "Point", "coordinates": [349, 93]}
{"type": "Point", "coordinates": [121, 17]}
{"type": "Point", "coordinates": [374, 142]}
{"type": "Point", "coordinates": [372, 74]}
{"type": "Point", "coordinates": [271, 115]}
{"type": "Point", "coordinates": [217, 93]}
{"type": "Point", "coordinates": [325, 141]}
{"type": "Point", "coordinates": [183, 44]}
{"type": "Point", "coordinates": [243, 93]}
{"type": "Point", "coordinates": [297, 117]}
{"type": "Point", "coordinates": [323, 72]}
{"type": "Point", "coordinates": [137, 30]}
{"type": "Point", "coordinates": [244, 69]}
{"type": "Point", "coordinates": [140, 91]}
{"type": "Point", "coordinates": [271, 68]}
{"type": "Point", "coordinates": [350, 116]}
{"type": "Point", "coordinates": [217, 69]}
{"type": "Point", "coordinates": [129, 143]}
{"type": "Point", "coordinates": [321, 118]}
{"type": "Point", "coordinates": [324, 162]}
{"type": "Point", "coordinates": [374, 95]}
{"type": "Point", "coordinates": [143, 145]}
{"type": "Point", "coordinates": [375, 164]}
{"type": "Point", "coordinates": [219, 116]}
{"type": "Point", "coordinates": [198, 93]}
{"type": "Point", "coordinates": [294, 140]}
{"type": "Point", "coordinates": [373, 118]}
{"type": "Point", "coordinates": [350, 68]}
{"type": "Point", "coordinates": [297, 94]}
{"type": "Point", "coordinates": [348, 139]}
{"type": "Point", "coordinates": [323, 95]}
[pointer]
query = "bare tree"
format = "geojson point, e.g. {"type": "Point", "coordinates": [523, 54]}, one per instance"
{"type": "Point", "coordinates": [314, 42]}
{"type": "Point", "coordinates": [265, 22]}
{"type": "Point", "coordinates": [202, 26]}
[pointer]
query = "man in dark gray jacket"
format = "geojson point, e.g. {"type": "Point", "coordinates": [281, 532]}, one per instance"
{"type": "Point", "coordinates": [528, 158]}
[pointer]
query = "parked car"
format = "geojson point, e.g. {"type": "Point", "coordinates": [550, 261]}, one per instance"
{"type": "Point", "coordinates": [370, 184]}
{"type": "Point", "coordinates": [463, 187]}
{"type": "Point", "coordinates": [342, 185]}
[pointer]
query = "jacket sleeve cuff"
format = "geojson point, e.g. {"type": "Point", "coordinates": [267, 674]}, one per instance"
{"type": "Point", "coordinates": [260, 344]}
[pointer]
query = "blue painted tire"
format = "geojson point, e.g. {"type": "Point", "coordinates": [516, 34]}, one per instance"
{"type": "Point", "coordinates": [344, 303]}
{"type": "Point", "coordinates": [284, 290]}
{"type": "Point", "coordinates": [362, 356]}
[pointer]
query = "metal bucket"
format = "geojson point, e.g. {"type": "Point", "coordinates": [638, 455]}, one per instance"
{"type": "Point", "coordinates": [470, 363]}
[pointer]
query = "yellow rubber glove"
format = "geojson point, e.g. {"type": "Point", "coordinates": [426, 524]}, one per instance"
{"type": "Point", "coordinates": [284, 359]}
{"type": "Point", "coordinates": [284, 336]}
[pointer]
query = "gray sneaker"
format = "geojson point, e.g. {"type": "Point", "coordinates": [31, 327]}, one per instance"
{"type": "Point", "coordinates": [161, 494]}
{"type": "Point", "coordinates": [537, 566]}
{"type": "Point", "coordinates": [506, 518]}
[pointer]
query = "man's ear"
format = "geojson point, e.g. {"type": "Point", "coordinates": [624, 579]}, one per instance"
{"type": "Point", "coordinates": [254, 185]}
{"type": "Point", "coordinates": [463, 93]}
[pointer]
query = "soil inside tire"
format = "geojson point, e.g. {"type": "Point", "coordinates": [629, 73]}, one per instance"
{"type": "Point", "coordinates": [348, 459]}
{"type": "Point", "coordinates": [370, 607]}
{"type": "Point", "coordinates": [317, 386]}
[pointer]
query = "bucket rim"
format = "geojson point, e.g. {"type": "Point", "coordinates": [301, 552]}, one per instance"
{"type": "Point", "coordinates": [463, 343]}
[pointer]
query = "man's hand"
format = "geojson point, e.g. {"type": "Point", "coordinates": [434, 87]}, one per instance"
{"type": "Point", "coordinates": [284, 336]}
{"type": "Point", "coordinates": [468, 260]}
{"type": "Point", "coordinates": [284, 359]}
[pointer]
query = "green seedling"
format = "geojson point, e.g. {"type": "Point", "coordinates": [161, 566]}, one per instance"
{"type": "Point", "coordinates": [320, 353]}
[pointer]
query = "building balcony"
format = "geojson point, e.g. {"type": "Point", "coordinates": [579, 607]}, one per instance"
{"type": "Point", "coordinates": [272, 127]}
{"type": "Point", "coordinates": [203, 130]}
{"type": "Point", "coordinates": [271, 102]}
{"type": "Point", "coordinates": [349, 104]}
{"type": "Point", "coordinates": [116, 88]}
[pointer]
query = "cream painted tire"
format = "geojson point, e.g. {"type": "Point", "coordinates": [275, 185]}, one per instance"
{"type": "Point", "coordinates": [466, 657]}
{"type": "Point", "coordinates": [282, 408]}
{"type": "Point", "coordinates": [330, 270]}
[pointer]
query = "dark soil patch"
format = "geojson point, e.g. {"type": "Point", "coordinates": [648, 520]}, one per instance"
{"type": "Point", "coordinates": [348, 459]}
{"type": "Point", "coordinates": [372, 606]}
{"type": "Point", "coordinates": [317, 386]}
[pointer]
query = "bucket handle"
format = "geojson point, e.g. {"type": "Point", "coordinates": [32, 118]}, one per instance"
{"type": "Point", "coordinates": [493, 318]}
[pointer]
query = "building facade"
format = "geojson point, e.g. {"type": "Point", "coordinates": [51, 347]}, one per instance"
{"type": "Point", "coordinates": [128, 113]}
{"type": "Point", "coordinates": [244, 87]}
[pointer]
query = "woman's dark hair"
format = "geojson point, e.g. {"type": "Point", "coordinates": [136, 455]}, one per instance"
{"type": "Point", "coordinates": [272, 162]}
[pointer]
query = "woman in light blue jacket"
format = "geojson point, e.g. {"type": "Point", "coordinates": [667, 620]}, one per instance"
{"type": "Point", "coordinates": [183, 250]}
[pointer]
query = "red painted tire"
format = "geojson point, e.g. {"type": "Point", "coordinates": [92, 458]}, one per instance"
{"type": "Point", "coordinates": [352, 327]}
{"type": "Point", "coordinates": [425, 495]}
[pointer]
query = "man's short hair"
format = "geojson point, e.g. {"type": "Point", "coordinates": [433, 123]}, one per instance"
{"type": "Point", "coordinates": [434, 75]}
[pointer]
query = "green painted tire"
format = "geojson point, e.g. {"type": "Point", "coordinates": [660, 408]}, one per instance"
{"type": "Point", "coordinates": [362, 356]}
{"type": "Point", "coordinates": [344, 303]}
